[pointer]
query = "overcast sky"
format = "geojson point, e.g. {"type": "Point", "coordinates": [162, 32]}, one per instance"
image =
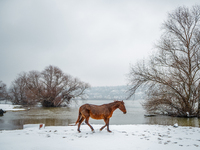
{"type": "Point", "coordinates": [94, 40]}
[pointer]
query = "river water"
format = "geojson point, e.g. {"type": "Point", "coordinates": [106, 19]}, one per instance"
{"type": "Point", "coordinates": [68, 115]}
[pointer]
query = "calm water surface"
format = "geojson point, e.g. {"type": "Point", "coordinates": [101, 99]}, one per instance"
{"type": "Point", "coordinates": [67, 115]}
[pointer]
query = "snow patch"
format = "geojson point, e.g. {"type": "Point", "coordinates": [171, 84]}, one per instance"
{"type": "Point", "coordinates": [141, 137]}
{"type": "Point", "coordinates": [10, 107]}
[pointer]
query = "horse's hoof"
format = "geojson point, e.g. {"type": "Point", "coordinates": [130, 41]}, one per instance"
{"type": "Point", "coordinates": [109, 131]}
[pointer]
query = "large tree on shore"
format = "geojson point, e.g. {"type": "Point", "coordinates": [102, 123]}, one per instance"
{"type": "Point", "coordinates": [172, 75]}
{"type": "Point", "coordinates": [51, 87]}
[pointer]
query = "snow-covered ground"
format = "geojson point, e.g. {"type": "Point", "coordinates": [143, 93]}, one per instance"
{"type": "Point", "coordinates": [137, 137]}
{"type": "Point", "coordinates": [10, 107]}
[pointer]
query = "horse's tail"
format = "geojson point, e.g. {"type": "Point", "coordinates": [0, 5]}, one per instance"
{"type": "Point", "coordinates": [79, 116]}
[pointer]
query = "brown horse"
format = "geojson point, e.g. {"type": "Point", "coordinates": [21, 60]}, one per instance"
{"type": "Point", "coordinates": [104, 111]}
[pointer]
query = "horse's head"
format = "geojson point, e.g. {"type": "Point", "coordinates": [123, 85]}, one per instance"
{"type": "Point", "coordinates": [122, 107]}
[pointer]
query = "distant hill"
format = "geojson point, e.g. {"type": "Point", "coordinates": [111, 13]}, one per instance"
{"type": "Point", "coordinates": [111, 93]}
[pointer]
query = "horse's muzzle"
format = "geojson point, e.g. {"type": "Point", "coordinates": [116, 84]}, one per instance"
{"type": "Point", "coordinates": [125, 112]}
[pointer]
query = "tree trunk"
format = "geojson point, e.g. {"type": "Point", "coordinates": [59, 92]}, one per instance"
{"type": "Point", "coordinates": [46, 103]}
{"type": "Point", "coordinates": [198, 111]}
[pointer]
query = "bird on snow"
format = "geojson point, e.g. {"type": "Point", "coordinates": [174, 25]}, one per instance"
{"type": "Point", "coordinates": [176, 125]}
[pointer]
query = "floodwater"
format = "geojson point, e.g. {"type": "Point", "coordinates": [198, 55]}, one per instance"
{"type": "Point", "coordinates": [68, 115]}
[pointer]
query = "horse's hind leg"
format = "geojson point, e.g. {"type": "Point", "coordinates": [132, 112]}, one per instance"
{"type": "Point", "coordinates": [87, 122]}
{"type": "Point", "coordinates": [79, 124]}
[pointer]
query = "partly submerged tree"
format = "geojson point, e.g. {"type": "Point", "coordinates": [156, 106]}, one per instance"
{"type": "Point", "coordinates": [51, 87]}
{"type": "Point", "coordinates": [173, 74]}
{"type": "Point", "coordinates": [58, 87]}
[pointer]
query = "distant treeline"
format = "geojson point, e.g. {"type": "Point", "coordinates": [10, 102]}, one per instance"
{"type": "Point", "coordinates": [112, 93]}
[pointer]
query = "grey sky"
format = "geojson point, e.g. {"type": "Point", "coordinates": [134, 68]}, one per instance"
{"type": "Point", "coordinates": [95, 41]}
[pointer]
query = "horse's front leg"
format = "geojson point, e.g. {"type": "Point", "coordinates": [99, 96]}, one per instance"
{"type": "Point", "coordinates": [103, 127]}
{"type": "Point", "coordinates": [106, 120]}
{"type": "Point", "coordinates": [107, 123]}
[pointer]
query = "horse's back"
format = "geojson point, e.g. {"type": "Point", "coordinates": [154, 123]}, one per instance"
{"type": "Point", "coordinates": [90, 106]}
{"type": "Point", "coordinates": [94, 111]}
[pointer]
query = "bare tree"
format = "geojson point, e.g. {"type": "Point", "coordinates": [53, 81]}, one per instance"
{"type": "Point", "coordinates": [58, 87]}
{"type": "Point", "coordinates": [172, 75]}
{"type": "Point", "coordinates": [33, 85]}
{"type": "Point", "coordinates": [53, 83]}
{"type": "Point", "coordinates": [51, 87]}
{"type": "Point", "coordinates": [19, 92]}
{"type": "Point", "coordinates": [3, 91]}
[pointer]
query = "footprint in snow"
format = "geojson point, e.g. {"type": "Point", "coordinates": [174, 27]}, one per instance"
{"type": "Point", "coordinates": [48, 135]}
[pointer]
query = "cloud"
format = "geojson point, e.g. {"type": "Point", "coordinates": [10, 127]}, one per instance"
{"type": "Point", "coordinates": [93, 40]}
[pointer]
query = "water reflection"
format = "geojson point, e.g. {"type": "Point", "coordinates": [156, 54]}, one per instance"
{"type": "Point", "coordinates": [48, 116]}
{"type": "Point", "coordinates": [68, 115]}
{"type": "Point", "coordinates": [166, 120]}
{"type": "Point", "coordinates": [48, 122]}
